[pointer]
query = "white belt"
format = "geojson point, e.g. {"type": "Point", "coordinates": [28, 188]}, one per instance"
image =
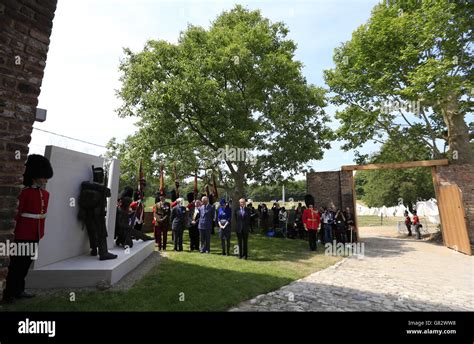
{"type": "Point", "coordinates": [33, 216]}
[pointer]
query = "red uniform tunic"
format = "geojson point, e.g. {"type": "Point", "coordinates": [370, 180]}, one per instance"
{"type": "Point", "coordinates": [311, 219]}
{"type": "Point", "coordinates": [416, 220]}
{"type": "Point", "coordinates": [31, 203]}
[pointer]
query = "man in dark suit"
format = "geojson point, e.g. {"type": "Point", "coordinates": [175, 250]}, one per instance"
{"type": "Point", "coordinates": [178, 214]}
{"type": "Point", "coordinates": [242, 217]}
{"type": "Point", "coordinates": [206, 219]}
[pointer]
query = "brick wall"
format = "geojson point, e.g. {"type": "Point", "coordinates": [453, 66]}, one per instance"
{"type": "Point", "coordinates": [463, 177]}
{"type": "Point", "coordinates": [325, 188]}
{"type": "Point", "coordinates": [25, 28]}
{"type": "Point", "coordinates": [331, 188]}
{"type": "Point", "coordinates": [347, 197]}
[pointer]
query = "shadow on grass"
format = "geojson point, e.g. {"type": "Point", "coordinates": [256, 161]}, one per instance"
{"type": "Point", "coordinates": [170, 286]}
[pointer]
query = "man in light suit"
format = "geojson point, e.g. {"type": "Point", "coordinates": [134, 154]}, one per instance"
{"type": "Point", "coordinates": [242, 218]}
{"type": "Point", "coordinates": [206, 218]}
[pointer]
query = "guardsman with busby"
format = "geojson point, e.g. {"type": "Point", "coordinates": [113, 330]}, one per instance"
{"type": "Point", "coordinates": [30, 219]}
{"type": "Point", "coordinates": [311, 220]}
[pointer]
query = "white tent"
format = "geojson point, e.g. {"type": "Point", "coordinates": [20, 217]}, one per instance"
{"type": "Point", "coordinates": [428, 209]}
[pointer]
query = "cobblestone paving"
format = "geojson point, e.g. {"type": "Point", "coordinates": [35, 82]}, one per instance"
{"type": "Point", "coordinates": [395, 274]}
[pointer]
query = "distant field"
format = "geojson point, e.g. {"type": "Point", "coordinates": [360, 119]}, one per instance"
{"type": "Point", "coordinates": [374, 220]}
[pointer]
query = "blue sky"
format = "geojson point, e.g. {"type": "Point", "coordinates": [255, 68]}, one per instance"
{"type": "Point", "coordinates": [82, 75]}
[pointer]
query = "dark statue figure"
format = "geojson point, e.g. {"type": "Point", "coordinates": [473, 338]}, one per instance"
{"type": "Point", "coordinates": [92, 211]}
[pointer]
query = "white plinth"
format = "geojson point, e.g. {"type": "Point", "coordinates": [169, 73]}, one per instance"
{"type": "Point", "coordinates": [87, 271]}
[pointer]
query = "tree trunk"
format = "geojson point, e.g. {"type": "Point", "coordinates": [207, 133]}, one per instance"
{"type": "Point", "coordinates": [460, 151]}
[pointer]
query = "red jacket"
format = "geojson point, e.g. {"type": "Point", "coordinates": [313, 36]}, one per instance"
{"type": "Point", "coordinates": [31, 201]}
{"type": "Point", "coordinates": [416, 220]}
{"type": "Point", "coordinates": [311, 219]}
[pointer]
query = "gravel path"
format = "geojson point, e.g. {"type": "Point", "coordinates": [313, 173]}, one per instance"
{"type": "Point", "coordinates": [394, 274]}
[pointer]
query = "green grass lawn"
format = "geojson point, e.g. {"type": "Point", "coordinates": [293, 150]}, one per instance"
{"type": "Point", "coordinates": [374, 220]}
{"type": "Point", "coordinates": [210, 282]}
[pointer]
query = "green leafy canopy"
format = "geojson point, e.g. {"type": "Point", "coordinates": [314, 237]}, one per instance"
{"type": "Point", "coordinates": [236, 84]}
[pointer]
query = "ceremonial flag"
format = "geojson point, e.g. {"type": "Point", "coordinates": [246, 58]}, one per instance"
{"type": "Point", "coordinates": [214, 187]}
{"type": "Point", "coordinates": [196, 191]}
{"type": "Point", "coordinates": [162, 181]}
{"type": "Point", "coordinates": [141, 179]}
{"type": "Point", "coordinates": [176, 182]}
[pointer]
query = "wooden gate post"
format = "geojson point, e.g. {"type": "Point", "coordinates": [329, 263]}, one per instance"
{"type": "Point", "coordinates": [434, 176]}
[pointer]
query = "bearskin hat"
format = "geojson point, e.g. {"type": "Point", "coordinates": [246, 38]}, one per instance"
{"type": "Point", "coordinates": [127, 192]}
{"type": "Point", "coordinates": [126, 201]}
{"type": "Point", "coordinates": [190, 197]}
{"type": "Point", "coordinates": [36, 166]}
{"type": "Point", "coordinates": [174, 196]}
{"type": "Point", "coordinates": [137, 195]}
{"type": "Point", "coordinates": [309, 200]}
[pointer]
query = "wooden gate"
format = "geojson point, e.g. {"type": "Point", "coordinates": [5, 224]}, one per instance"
{"type": "Point", "coordinates": [453, 219]}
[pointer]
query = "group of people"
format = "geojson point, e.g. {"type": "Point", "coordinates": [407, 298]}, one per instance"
{"type": "Point", "coordinates": [334, 223]}
{"type": "Point", "coordinates": [413, 224]}
{"type": "Point", "coordinates": [200, 217]}
{"type": "Point", "coordinates": [327, 224]}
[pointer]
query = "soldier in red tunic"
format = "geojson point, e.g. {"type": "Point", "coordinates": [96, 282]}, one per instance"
{"type": "Point", "coordinates": [30, 218]}
{"type": "Point", "coordinates": [311, 220]}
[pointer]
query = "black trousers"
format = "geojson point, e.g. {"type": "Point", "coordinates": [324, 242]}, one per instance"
{"type": "Point", "coordinates": [243, 238]}
{"type": "Point", "coordinates": [225, 243]}
{"type": "Point", "coordinates": [312, 240]}
{"type": "Point", "coordinates": [341, 234]}
{"type": "Point", "coordinates": [17, 271]}
{"type": "Point", "coordinates": [178, 240]}
{"type": "Point", "coordinates": [194, 237]}
{"type": "Point", "coordinates": [97, 232]}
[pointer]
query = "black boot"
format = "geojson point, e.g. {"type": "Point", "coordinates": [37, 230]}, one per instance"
{"type": "Point", "coordinates": [104, 254]}
{"type": "Point", "coordinates": [93, 252]}
{"type": "Point", "coordinates": [107, 256]}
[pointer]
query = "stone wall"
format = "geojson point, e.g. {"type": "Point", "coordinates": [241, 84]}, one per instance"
{"type": "Point", "coordinates": [25, 28]}
{"type": "Point", "coordinates": [463, 177]}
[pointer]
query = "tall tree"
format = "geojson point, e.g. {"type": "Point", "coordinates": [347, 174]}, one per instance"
{"type": "Point", "coordinates": [394, 186]}
{"type": "Point", "coordinates": [410, 53]}
{"type": "Point", "coordinates": [233, 86]}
